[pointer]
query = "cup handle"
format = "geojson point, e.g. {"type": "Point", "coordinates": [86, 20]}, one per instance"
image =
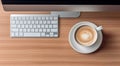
{"type": "Point", "coordinates": [99, 28]}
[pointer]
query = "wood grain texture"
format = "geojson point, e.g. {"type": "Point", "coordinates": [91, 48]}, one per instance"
{"type": "Point", "coordinates": [57, 51]}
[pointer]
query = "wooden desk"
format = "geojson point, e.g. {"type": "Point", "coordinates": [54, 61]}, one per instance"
{"type": "Point", "coordinates": [57, 51]}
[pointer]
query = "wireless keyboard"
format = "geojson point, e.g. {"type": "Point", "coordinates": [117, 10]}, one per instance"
{"type": "Point", "coordinates": [33, 25]}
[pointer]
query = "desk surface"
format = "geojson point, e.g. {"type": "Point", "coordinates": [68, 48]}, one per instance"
{"type": "Point", "coordinates": [57, 51]}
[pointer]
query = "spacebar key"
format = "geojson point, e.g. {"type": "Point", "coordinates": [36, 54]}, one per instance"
{"type": "Point", "coordinates": [32, 34]}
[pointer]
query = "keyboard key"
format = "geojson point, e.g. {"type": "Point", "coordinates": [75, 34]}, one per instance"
{"type": "Point", "coordinates": [14, 30]}
{"type": "Point", "coordinates": [54, 30]}
{"type": "Point", "coordinates": [34, 26]}
{"type": "Point", "coordinates": [42, 26]}
{"type": "Point", "coordinates": [44, 22]}
{"type": "Point", "coordinates": [43, 34]}
{"type": "Point", "coordinates": [36, 30]}
{"type": "Point", "coordinates": [48, 30]}
{"type": "Point", "coordinates": [32, 34]}
{"type": "Point", "coordinates": [20, 30]}
{"type": "Point", "coordinates": [36, 22]}
{"type": "Point", "coordinates": [48, 22]}
{"type": "Point", "coordinates": [40, 22]}
{"type": "Point", "coordinates": [30, 26]}
{"type": "Point", "coordinates": [16, 34]}
{"type": "Point", "coordinates": [38, 26]}
{"type": "Point", "coordinates": [44, 30]}
{"type": "Point", "coordinates": [46, 26]}
{"type": "Point", "coordinates": [32, 30]}
{"type": "Point", "coordinates": [50, 26]}
{"type": "Point", "coordinates": [54, 22]}
{"type": "Point", "coordinates": [20, 34]}
{"type": "Point", "coordinates": [43, 18]}
{"type": "Point", "coordinates": [13, 26]}
{"type": "Point", "coordinates": [26, 26]}
{"type": "Point", "coordinates": [40, 30]}
{"type": "Point", "coordinates": [24, 30]}
{"type": "Point", "coordinates": [28, 30]}
{"type": "Point", "coordinates": [55, 18]}
{"type": "Point", "coordinates": [13, 22]}
{"type": "Point", "coordinates": [18, 26]}
{"type": "Point", "coordinates": [55, 26]}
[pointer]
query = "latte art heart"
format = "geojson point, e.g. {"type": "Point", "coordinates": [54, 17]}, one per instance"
{"type": "Point", "coordinates": [85, 35]}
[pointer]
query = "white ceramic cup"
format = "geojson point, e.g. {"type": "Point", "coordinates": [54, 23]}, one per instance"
{"type": "Point", "coordinates": [99, 28]}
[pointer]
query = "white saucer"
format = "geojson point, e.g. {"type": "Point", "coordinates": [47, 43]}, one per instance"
{"type": "Point", "coordinates": [84, 49]}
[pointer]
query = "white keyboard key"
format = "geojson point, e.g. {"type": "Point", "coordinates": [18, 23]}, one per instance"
{"type": "Point", "coordinates": [54, 30]}
{"type": "Point", "coordinates": [17, 22]}
{"type": "Point", "coordinates": [19, 18]}
{"type": "Point", "coordinates": [28, 30]}
{"type": "Point", "coordinates": [44, 22]}
{"type": "Point", "coordinates": [47, 35]}
{"type": "Point", "coordinates": [23, 18]}
{"type": "Point", "coordinates": [32, 30]}
{"type": "Point", "coordinates": [33, 22]}
{"type": "Point", "coordinates": [48, 22]}
{"type": "Point", "coordinates": [18, 26]}
{"type": "Point", "coordinates": [25, 22]}
{"type": "Point", "coordinates": [28, 22]}
{"type": "Point", "coordinates": [40, 22]}
{"type": "Point", "coordinates": [47, 18]}
{"type": "Point", "coordinates": [40, 30]}
{"type": "Point", "coordinates": [48, 30]}
{"type": "Point", "coordinates": [20, 30]}
{"type": "Point", "coordinates": [55, 26]}
{"type": "Point", "coordinates": [13, 22]}
{"type": "Point", "coordinates": [54, 22]}
{"type": "Point", "coordinates": [43, 18]}
{"type": "Point", "coordinates": [30, 26]}
{"type": "Point", "coordinates": [44, 30]}
{"type": "Point", "coordinates": [46, 26]}
{"type": "Point", "coordinates": [50, 26]}
{"type": "Point", "coordinates": [20, 34]}
{"type": "Point", "coordinates": [38, 26]}
{"type": "Point", "coordinates": [42, 26]}
{"type": "Point", "coordinates": [51, 18]}
{"type": "Point", "coordinates": [31, 18]}
{"type": "Point", "coordinates": [14, 30]}
{"type": "Point", "coordinates": [55, 35]}
{"type": "Point", "coordinates": [26, 26]}
{"type": "Point", "coordinates": [24, 30]}
{"type": "Point", "coordinates": [36, 22]}
{"type": "Point", "coordinates": [32, 34]}
{"type": "Point", "coordinates": [21, 22]}
{"type": "Point", "coordinates": [43, 34]}
{"type": "Point", "coordinates": [22, 26]}
{"type": "Point", "coordinates": [51, 34]}
{"type": "Point", "coordinates": [16, 34]}
{"type": "Point", "coordinates": [13, 26]}
{"type": "Point", "coordinates": [55, 18]}
{"type": "Point", "coordinates": [36, 30]}
{"type": "Point", "coordinates": [34, 26]}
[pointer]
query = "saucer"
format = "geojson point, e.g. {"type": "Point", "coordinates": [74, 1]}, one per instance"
{"type": "Point", "coordinates": [80, 48]}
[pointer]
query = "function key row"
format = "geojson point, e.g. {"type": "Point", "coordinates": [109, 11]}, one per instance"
{"type": "Point", "coordinates": [34, 18]}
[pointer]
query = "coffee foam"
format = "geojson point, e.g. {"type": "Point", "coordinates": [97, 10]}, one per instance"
{"type": "Point", "coordinates": [85, 35]}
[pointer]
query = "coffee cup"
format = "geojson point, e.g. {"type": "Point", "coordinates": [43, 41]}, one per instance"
{"type": "Point", "coordinates": [87, 35]}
